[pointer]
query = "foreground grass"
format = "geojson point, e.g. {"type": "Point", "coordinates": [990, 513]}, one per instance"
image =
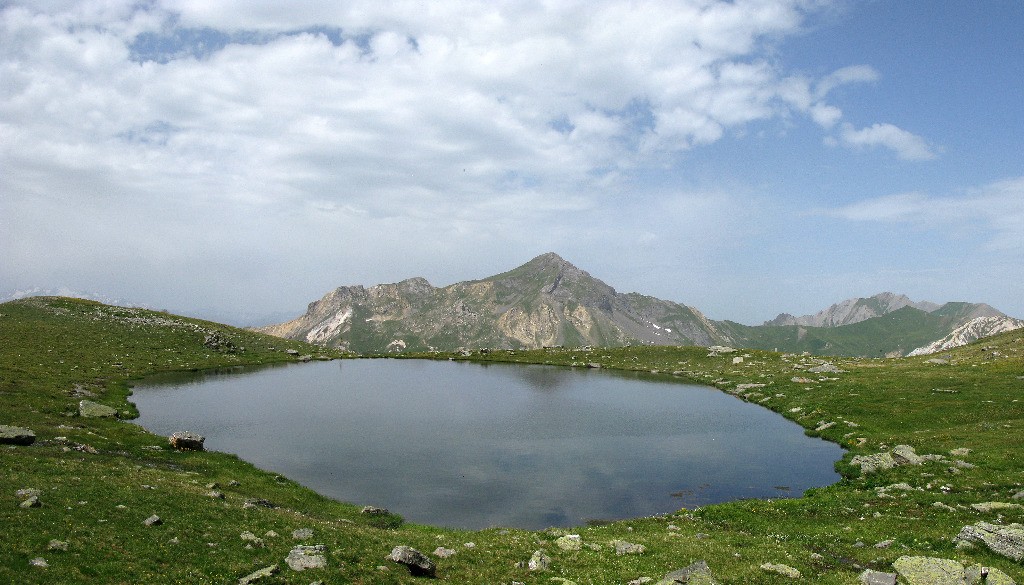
{"type": "Point", "coordinates": [100, 478]}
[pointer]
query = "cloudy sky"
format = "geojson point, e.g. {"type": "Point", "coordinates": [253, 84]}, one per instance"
{"type": "Point", "coordinates": [240, 158]}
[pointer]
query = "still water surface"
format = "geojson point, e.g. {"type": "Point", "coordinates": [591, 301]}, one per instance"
{"type": "Point", "coordinates": [472, 446]}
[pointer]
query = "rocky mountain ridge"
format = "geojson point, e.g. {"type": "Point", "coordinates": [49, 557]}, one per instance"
{"type": "Point", "coordinates": [971, 331]}
{"type": "Point", "coordinates": [550, 302]}
{"type": "Point", "coordinates": [545, 302]}
{"type": "Point", "coordinates": [855, 310]}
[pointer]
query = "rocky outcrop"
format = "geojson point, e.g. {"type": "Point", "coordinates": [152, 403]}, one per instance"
{"type": "Point", "coordinates": [973, 330]}
{"type": "Point", "coordinates": [1007, 541]}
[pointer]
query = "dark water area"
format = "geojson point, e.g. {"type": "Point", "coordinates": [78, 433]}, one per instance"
{"type": "Point", "coordinates": [472, 446]}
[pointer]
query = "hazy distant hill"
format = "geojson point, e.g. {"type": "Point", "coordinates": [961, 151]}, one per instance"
{"type": "Point", "coordinates": [548, 301]}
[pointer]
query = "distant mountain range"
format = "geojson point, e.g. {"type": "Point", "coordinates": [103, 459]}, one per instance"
{"type": "Point", "coordinates": [550, 302]}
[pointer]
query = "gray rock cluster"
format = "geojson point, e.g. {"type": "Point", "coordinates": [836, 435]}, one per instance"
{"type": "Point", "coordinates": [900, 455]}
{"type": "Point", "coordinates": [304, 557]}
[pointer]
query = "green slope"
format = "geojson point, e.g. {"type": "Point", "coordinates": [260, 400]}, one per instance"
{"type": "Point", "coordinates": [100, 478]}
{"type": "Point", "coordinates": [898, 332]}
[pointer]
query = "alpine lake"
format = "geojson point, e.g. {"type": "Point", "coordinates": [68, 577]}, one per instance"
{"type": "Point", "coordinates": [470, 445]}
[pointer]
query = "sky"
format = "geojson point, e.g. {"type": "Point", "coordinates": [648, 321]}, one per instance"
{"type": "Point", "coordinates": [239, 159]}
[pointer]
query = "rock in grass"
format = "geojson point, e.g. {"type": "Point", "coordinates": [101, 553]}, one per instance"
{"type": "Point", "coordinates": [539, 561]}
{"type": "Point", "coordinates": [31, 502]}
{"type": "Point", "coordinates": [16, 435]}
{"type": "Point", "coordinates": [417, 563]}
{"type": "Point", "coordinates": [995, 506]}
{"type": "Point", "coordinates": [627, 548]}
{"type": "Point", "coordinates": [302, 534]}
{"type": "Point", "coordinates": [305, 557]}
{"type": "Point", "coordinates": [257, 575]}
{"type": "Point", "coordinates": [784, 570]}
{"type": "Point", "coordinates": [153, 520]}
{"type": "Point", "coordinates": [58, 545]}
{"type": "Point", "coordinates": [443, 553]}
{"type": "Point", "coordinates": [976, 574]}
{"type": "Point", "coordinates": [374, 511]}
{"type": "Point", "coordinates": [1007, 541]}
{"type": "Point", "coordinates": [569, 542]}
{"type": "Point", "coordinates": [186, 441]}
{"type": "Point", "coordinates": [90, 409]}
{"type": "Point", "coordinates": [898, 456]}
{"type": "Point", "coordinates": [695, 574]}
{"type": "Point", "coordinates": [929, 571]}
{"type": "Point", "coordinates": [39, 562]}
{"type": "Point", "coordinates": [869, 577]}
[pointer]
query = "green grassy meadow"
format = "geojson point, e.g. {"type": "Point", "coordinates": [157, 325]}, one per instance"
{"type": "Point", "coordinates": [100, 478]}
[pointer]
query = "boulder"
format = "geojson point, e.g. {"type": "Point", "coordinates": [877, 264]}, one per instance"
{"type": "Point", "coordinates": [374, 511]}
{"type": "Point", "coordinates": [305, 557]}
{"type": "Point", "coordinates": [905, 455]}
{"type": "Point", "coordinates": [899, 455]}
{"type": "Point", "coordinates": [417, 563]}
{"type": "Point", "coordinates": [978, 575]}
{"type": "Point", "coordinates": [443, 553]}
{"type": "Point", "coordinates": [16, 435]}
{"type": "Point", "coordinates": [784, 570]}
{"type": "Point", "coordinates": [187, 441]}
{"type": "Point", "coordinates": [569, 542]}
{"type": "Point", "coordinates": [869, 577]}
{"type": "Point", "coordinates": [1007, 541]}
{"type": "Point", "coordinates": [31, 502]}
{"type": "Point", "coordinates": [539, 561]}
{"type": "Point", "coordinates": [929, 571]}
{"type": "Point", "coordinates": [90, 409]}
{"type": "Point", "coordinates": [627, 548]}
{"type": "Point", "coordinates": [697, 573]}
{"type": "Point", "coordinates": [153, 520]}
{"type": "Point", "coordinates": [258, 575]}
{"type": "Point", "coordinates": [995, 506]}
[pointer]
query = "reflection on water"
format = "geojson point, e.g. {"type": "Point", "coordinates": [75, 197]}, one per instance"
{"type": "Point", "coordinates": [465, 445]}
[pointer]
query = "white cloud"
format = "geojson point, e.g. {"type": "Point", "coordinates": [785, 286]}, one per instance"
{"type": "Point", "coordinates": [906, 145]}
{"type": "Point", "coordinates": [994, 211]}
{"type": "Point", "coordinates": [337, 131]}
{"type": "Point", "coordinates": [851, 74]}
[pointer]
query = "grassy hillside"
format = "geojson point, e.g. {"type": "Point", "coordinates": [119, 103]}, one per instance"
{"type": "Point", "coordinates": [899, 332]}
{"type": "Point", "coordinates": [99, 479]}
